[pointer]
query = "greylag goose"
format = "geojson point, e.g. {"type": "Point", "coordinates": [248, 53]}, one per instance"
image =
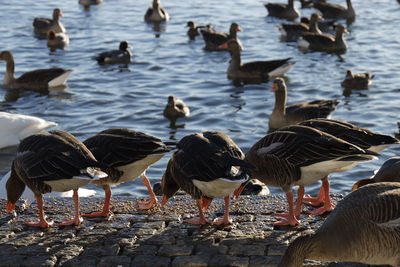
{"type": "Point", "coordinates": [156, 13]}
{"type": "Point", "coordinates": [87, 3]}
{"type": "Point", "coordinates": [357, 81]}
{"type": "Point", "coordinates": [300, 155]}
{"type": "Point", "coordinates": [15, 127]}
{"type": "Point", "coordinates": [47, 162]}
{"type": "Point", "coordinates": [43, 25]}
{"type": "Point", "coordinates": [255, 69]}
{"type": "Point", "coordinates": [325, 42]}
{"type": "Point", "coordinates": [283, 115]}
{"type": "Point", "coordinates": [41, 79]}
{"type": "Point", "coordinates": [362, 228]}
{"type": "Point", "coordinates": [292, 31]}
{"type": "Point", "coordinates": [127, 155]}
{"type": "Point", "coordinates": [175, 109]}
{"type": "Point", "coordinates": [283, 11]}
{"type": "Point", "coordinates": [388, 172]}
{"type": "Point", "coordinates": [214, 40]}
{"type": "Point", "coordinates": [335, 11]}
{"type": "Point", "coordinates": [121, 56]}
{"type": "Point", "coordinates": [57, 40]}
{"type": "Point", "coordinates": [206, 165]}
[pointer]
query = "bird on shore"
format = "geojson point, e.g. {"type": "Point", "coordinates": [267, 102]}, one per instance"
{"type": "Point", "coordinates": [284, 11]}
{"type": "Point", "coordinates": [357, 80]}
{"type": "Point", "coordinates": [41, 79]}
{"type": "Point", "coordinates": [127, 155]}
{"type": "Point", "coordinates": [175, 109]}
{"type": "Point", "coordinates": [42, 26]}
{"type": "Point", "coordinates": [363, 228]}
{"type": "Point", "coordinates": [48, 162]}
{"type": "Point", "coordinates": [324, 42]}
{"type": "Point", "coordinates": [206, 165]}
{"type": "Point", "coordinates": [213, 40]}
{"type": "Point", "coordinates": [121, 56]}
{"type": "Point", "coordinates": [156, 13]}
{"type": "Point", "coordinates": [57, 40]}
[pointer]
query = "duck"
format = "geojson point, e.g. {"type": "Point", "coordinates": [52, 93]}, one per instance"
{"type": "Point", "coordinates": [175, 109]}
{"type": "Point", "coordinates": [57, 40]}
{"type": "Point", "coordinates": [156, 13]}
{"type": "Point", "coordinates": [47, 162]}
{"type": "Point", "coordinates": [335, 11]}
{"type": "Point", "coordinates": [121, 56]}
{"type": "Point", "coordinates": [283, 115]}
{"type": "Point", "coordinates": [284, 11]}
{"type": "Point", "coordinates": [213, 40]}
{"type": "Point", "coordinates": [300, 155]}
{"type": "Point", "coordinates": [324, 42]}
{"type": "Point", "coordinates": [206, 165]}
{"type": "Point", "coordinates": [292, 31]}
{"type": "Point", "coordinates": [40, 79]}
{"type": "Point", "coordinates": [193, 30]}
{"type": "Point", "coordinates": [255, 69]}
{"type": "Point", "coordinates": [16, 127]}
{"type": "Point", "coordinates": [357, 80]}
{"type": "Point", "coordinates": [87, 3]}
{"type": "Point", "coordinates": [362, 228]}
{"type": "Point", "coordinates": [43, 25]}
{"type": "Point", "coordinates": [388, 172]}
{"type": "Point", "coordinates": [127, 154]}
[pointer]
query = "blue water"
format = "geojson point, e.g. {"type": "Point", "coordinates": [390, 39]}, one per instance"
{"type": "Point", "coordinates": [100, 97]}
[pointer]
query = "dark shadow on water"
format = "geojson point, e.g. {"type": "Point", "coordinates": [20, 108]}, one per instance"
{"type": "Point", "coordinates": [244, 81]}
{"type": "Point", "coordinates": [12, 95]}
{"type": "Point", "coordinates": [348, 91]}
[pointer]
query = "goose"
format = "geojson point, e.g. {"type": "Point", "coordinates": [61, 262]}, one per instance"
{"type": "Point", "coordinates": [121, 56]}
{"type": "Point", "coordinates": [255, 69]}
{"type": "Point", "coordinates": [388, 172]}
{"type": "Point", "coordinates": [87, 3]}
{"type": "Point", "coordinates": [324, 42]}
{"type": "Point", "coordinates": [15, 127]}
{"type": "Point", "coordinates": [283, 11]}
{"type": "Point", "coordinates": [43, 25]}
{"type": "Point", "coordinates": [335, 11]}
{"type": "Point", "coordinates": [47, 162]}
{"type": "Point", "coordinates": [193, 30]}
{"type": "Point", "coordinates": [357, 80]}
{"type": "Point", "coordinates": [214, 40]}
{"type": "Point", "coordinates": [127, 155]}
{"type": "Point", "coordinates": [57, 40]}
{"type": "Point", "coordinates": [41, 79]}
{"type": "Point", "coordinates": [175, 109]}
{"type": "Point", "coordinates": [156, 13]}
{"type": "Point", "coordinates": [206, 165]}
{"type": "Point", "coordinates": [363, 228]}
{"type": "Point", "coordinates": [300, 155]}
{"type": "Point", "coordinates": [283, 115]}
{"type": "Point", "coordinates": [292, 31]}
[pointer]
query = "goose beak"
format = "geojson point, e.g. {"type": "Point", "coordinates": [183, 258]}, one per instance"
{"type": "Point", "coordinates": [164, 200]}
{"type": "Point", "coordinates": [239, 29]}
{"type": "Point", "coordinates": [223, 46]}
{"type": "Point", "coordinates": [10, 206]}
{"type": "Point", "coordinates": [274, 87]}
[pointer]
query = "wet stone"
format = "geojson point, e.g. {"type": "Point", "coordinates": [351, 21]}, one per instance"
{"type": "Point", "coordinates": [115, 261]}
{"type": "Point", "coordinates": [226, 260]}
{"type": "Point", "coordinates": [150, 261]}
{"type": "Point", "coordinates": [172, 251]}
{"type": "Point", "coordinates": [247, 250]}
{"type": "Point", "coordinates": [190, 261]}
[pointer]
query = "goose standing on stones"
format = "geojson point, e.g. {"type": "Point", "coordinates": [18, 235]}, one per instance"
{"type": "Point", "coordinates": [43, 25]}
{"type": "Point", "coordinates": [47, 162]}
{"type": "Point", "coordinates": [214, 40]}
{"type": "Point", "coordinates": [293, 31]}
{"type": "Point", "coordinates": [156, 13]}
{"type": "Point", "coordinates": [57, 40]}
{"type": "Point", "coordinates": [362, 228]}
{"type": "Point", "coordinates": [121, 56]}
{"type": "Point", "coordinates": [324, 42]}
{"type": "Point", "coordinates": [127, 155]}
{"type": "Point", "coordinates": [357, 81]}
{"type": "Point", "coordinates": [206, 165]}
{"type": "Point", "coordinates": [283, 11]}
{"type": "Point", "coordinates": [255, 69]}
{"type": "Point", "coordinates": [283, 115]}
{"type": "Point", "coordinates": [41, 79]}
{"type": "Point", "coordinates": [335, 11]}
{"type": "Point", "coordinates": [175, 109]}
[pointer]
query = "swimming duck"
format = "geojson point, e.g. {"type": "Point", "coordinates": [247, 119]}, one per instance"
{"type": "Point", "coordinates": [156, 13]}
{"type": "Point", "coordinates": [175, 109]}
{"type": "Point", "coordinates": [255, 69]}
{"type": "Point", "coordinates": [324, 42]}
{"type": "Point", "coordinates": [57, 40]}
{"type": "Point", "coordinates": [47, 162]}
{"type": "Point", "coordinates": [335, 11]}
{"type": "Point", "coordinates": [357, 81]}
{"type": "Point", "coordinates": [292, 31]}
{"type": "Point", "coordinates": [121, 56]}
{"type": "Point", "coordinates": [43, 25]}
{"type": "Point", "coordinates": [362, 228]}
{"type": "Point", "coordinates": [214, 40]}
{"type": "Point", "coordinates": [41, 79]}
{"type": "Point", "coordinates": [283, 115]}
{"type": "Point", "coordinates": [283, 11]}
{"type": "Point", "coordinates": [206, 165]}
{"type": "Point", "coordinates": [127, 155]}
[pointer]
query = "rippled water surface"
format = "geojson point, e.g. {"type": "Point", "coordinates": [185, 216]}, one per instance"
{"type": "Point", "coordinates": [134, 96]}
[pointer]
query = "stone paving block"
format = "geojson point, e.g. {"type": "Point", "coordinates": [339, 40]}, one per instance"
{"type": "Point", "coordinates": [160, 240]}
{"type": "Point", "coordinates": [173, 251]}
{"type": "Point", "coordinates": [14, 261]}
{"type": "Point", "coordinates": [102, 251]}
{"type": "Point", "coordinates": [115, 261]}
{"type": "Point", "coordinates": [264, 261]}
{"type": "Point", "coordinates": [150, 261]}
{"type": "Point", "coordinates": [32, 250]}
{"type": "Point", "coordinates": [152, 225]}
{"type": "Point", "coordinates": [232, 241]}
{"type": "Point", "coordinates": [247, 250]}
{"type": "Point", "coordinates": [7, 250]}
{"type": "Point", "coordinates": [121, 241]}
{"type": "Point", "coordinates": [70, 250]}
{"type": "Point", "coordinates": [43, 261]}
{"type": "Point", "coordinates": [85, 241]}
{"type": "Point", "coordinates": [81, 261]}
{"type": "Point", "coordinates": [226, 260]}
{"type": "Point", "coordinates": [140, 250]}
{"type": "Point", "coordinates": [276, 250]}
{"type": "Point", "coordinates": [190, 261]}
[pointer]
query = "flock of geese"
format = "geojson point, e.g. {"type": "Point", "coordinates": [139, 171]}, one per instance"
{"type": "Point", "coordinates": [303, 146]}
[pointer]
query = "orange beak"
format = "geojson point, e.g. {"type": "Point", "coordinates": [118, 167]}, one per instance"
{"type": "Point", "coordinates": [223, 46]}
{"type": "Point", "coordinates": [238, 29]}
{"type": "Point", "coordinates": [10, 206]}
{"type": "Point", "coordinates": [164, 200]}
{"type": "Point", "coordinates": [274, 87]}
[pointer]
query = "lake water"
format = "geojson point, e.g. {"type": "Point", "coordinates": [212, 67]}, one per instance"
{"type": "Point", "coordinates": [100, 97]}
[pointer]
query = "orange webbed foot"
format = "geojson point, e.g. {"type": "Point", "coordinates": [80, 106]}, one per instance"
{"type": "Point", "coordinates": [42, 224]}
{"type": "Point", "coordinates": [95, 214]}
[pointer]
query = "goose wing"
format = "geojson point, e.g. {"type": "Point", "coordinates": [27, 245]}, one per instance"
{"type": "Point", "coordinates": [310, 110]}
{"type": "Point", "coordinates": [329, 9]}
{"type": "Point", "coordinates": [42, 22]}
{"type": "Point", "coordinates": [263, 66]}
{"type": "Point", "coordinates": [40, 76]}
{"type": "Point", "coordinates": [215, 38]}
{"type": "Point", "coordinates": [317, 38]}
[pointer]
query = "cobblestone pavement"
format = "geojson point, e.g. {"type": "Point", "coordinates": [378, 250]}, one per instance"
{"type": "Point", "coordinates": [152, 238]}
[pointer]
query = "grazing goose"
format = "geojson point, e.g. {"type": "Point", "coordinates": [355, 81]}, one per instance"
{"type": "Point", "coordinates": [206, 165]}
{"type": "Point", "coordinates": [358, 80]}
{"type": "Point", "coordinates": [121, 56]}
{"type": "Point", "coordinates": [57, 40]}
{"type": "Point", "coordinates": [300, 155]}
{"type": "Point", "coordinates": [214, 40]}
{"type": "Point", "coordinates": [15, 127]}
{"type": "Point", "coordinates": [41, 79]}
{"type": "Point", "coordinates": [47, 162]}
{"type": "Point", "coordinates": [175, 109]}
{"type": "Point", "coordinates": [156, 13]}
{"type": "Point", "coordinates": [324, 42]}
{"type": "Point", "coordinates": [283, 11]}
{"type": "Point", "coordinates": [388, 172]}
{"type": "Point", "coordinates": [335, 11]}
{"type": "Point", "coordinates": [127, 155]}
{"type": "Point", "coordinates": [292, 31]}
{"type": "Point", "coordinates": [255, 69]}
{"type": "Point", "coordinates": [283, 115]}
{"type": "Point", "coordinates": [363, 228]}
{"type": "Point", "coordinates": [43, 25]}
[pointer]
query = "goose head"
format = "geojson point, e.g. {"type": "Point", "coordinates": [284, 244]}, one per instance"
{"type": "Point", "coordinates": [123, 46]}
{"type": "Point", "coordinates": [340, 30]}
{"type": "Point", "coordinates": [349, 74]}
{"type": "Point", "coordinates": [278, 85]}
{"type": "Point", "coordinates": [156, 4]}
{"type": "Point", "coordinates": [234, 29]}
{"type": "Point", "coordinates": [6, 56]}
{"type": "Point", "coordinates": [14, 187]}
{"type": "Point", "coordinates": [316, 17]}
{"type": "Point", "coordinates": [191, 25]}
{"type": "Point", "coordinates": [57, 13]}
{"type": "Point", "coordinates": [168, 185]}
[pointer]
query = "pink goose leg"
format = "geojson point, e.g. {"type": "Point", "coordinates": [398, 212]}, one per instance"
{"type": "Point", "coordinates": [106, 207]}
{"type": "Point", "coordinates": [78, 219]}
{"type": "Point", "coordinates": [42, 221]}
{"type": "Point", "coordinates": [145, 205]}
{"type": "Point", "coordinates": [328, 205]}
